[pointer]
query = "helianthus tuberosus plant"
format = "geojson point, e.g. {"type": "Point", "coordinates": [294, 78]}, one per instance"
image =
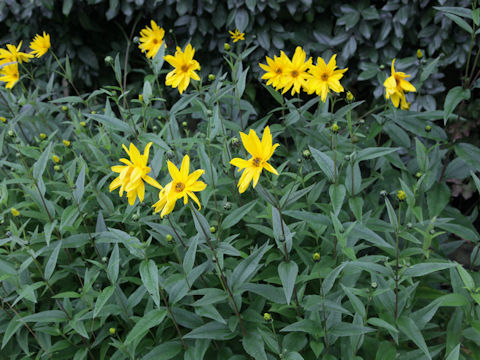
{"type": "Point", "coordinates": [346, 247]}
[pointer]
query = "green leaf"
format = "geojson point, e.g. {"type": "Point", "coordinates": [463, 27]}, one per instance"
{"type": "Point", "coordinates": [113, 265]}
{"type": "Point", "coordinates": [382, 323]}
{"type": "Point", "coordinates": [469, 153]}
{"type": "Point", "coordinates": [151, 319]}
{"type": "Point", "coordinates": [454, 354]}
{"type": "Point", "coordinates": [254, 346]}
{"type": "Point", "coordinates": [189, 258]}
{"type": "Point", "coordinates": [111, 123]}
{"type": "Point", "coordinates": [79, 185]}
{"type": "Point", "coordinates": [391, 214]}
{"type": "Point", "coordinates": [102, 299]}
{"type": "Point", "coordinates": [326, 164]}
{"type": "Point", "coordinates": [423, 269]}
{"type": "Point", "coordinates": [466, 278]}
{"type": "Point", "coordinates": [12, 328]}
{"type": "Point", "coordinates": [118, 70]}
{"type": "Point", "coordinates": [238, 214]}
{"type": "Point", "coordinates": [212, 330]}
{"type": "Point", "coordinates": [347, 329]}
{"type": "Point", "coordinates": [373, 152]}
{"type": "Point", "coordinates": [410, 329]}
{"type": "Point", "coordinates": [438, 198]}
{"type": "Point", "coordinates": [288, 272]}
{"type": "Point", "coordinates": [454, 97]}
{"type": "Point", "coordinates": [460, 22]}
{"type": "Point", "coordinates": [355, 301]}
{"type": "Point", "coordinates": [66, 7]}
{"type": "Point", "coordinates": [52, 261]}
{"type": "Point", "coordinates": [476, 180]}
{"type": "Point", "coordinates": [147, 92]}
{"type": "Point", "coordinates": [149, 275]}
{"type": "Point", "coordinates": [456, 10]}
{"type": "Point", "coordinates": [337, 196]}
{"type": "Point", "coordinates": [41, 163]}
{"type": "Point", "coordinates": [429, 69]}
{"type": "Point", "coordinates": [248, 267]}
{"type": "Point", "coordinates": [46, 317]}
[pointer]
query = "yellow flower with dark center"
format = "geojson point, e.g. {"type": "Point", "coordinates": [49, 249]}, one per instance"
{"type": "Point", "coordinates": [183, 185]}
{"type": "Point", "coordinates": [261, 152]}
{"type": "Point", "coordinates": [237, 35]}
{"type": "Point", "coordinates": [13, 54]}
{"type": "Point", "coordinates": [15, 212]}
{"type": "Point", "coordinates": [296, 74]}
{"type": "Point", "coordinates": [9, 74]}
{"type": "Point", "coordinates": [276, 70]}
{"type": "Point", "coordinates": [133, 174]}
{"type": "Point", "coordinates": [395, 87]}
{"type": "Point", "coordinates": [151, 39]}
{"type": "Point", "coordinates": [325, 77]}
{"type": "Point", "coordinates": [184, 70]}
{"type": "Point", "coordinates": [40, 44]}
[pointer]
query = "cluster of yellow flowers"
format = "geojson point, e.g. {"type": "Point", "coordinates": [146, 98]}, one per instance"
{"type": "Point", "coordinates": [299, 73]}
{"type": "Point", "coordinates": [12, 56]}
{"type": "Point", "coordinates": [184, 184]}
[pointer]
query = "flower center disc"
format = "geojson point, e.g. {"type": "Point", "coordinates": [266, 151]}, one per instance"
{"type": "Point", "coordinates": [294, 73]}
{"type": "Point", "coordinates": [179, 187]}
{"type": "Point", "coordinates": [324, 77]}
{"type": "Point", "coordinates": [256, 162]}
{"type": "Point", "coordinates": [278, 71]}
{"type": "Point", "coordinates": [155, 41]}
{"type": "Point", "coordinates": [184, 68]}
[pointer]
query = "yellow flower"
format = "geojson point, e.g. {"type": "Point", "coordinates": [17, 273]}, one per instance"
{"type": "Point", "coordinates": [66, 143]}
{"type": "Point", "coordinates": [325, 77]}
{"type": "Point", "coordinates": [13, 54]}
{"type": "Point", "coordinates": [296, 74]}
{"type": "Point", "coordinates": [395, 87]}
{"type": "Point", "coordinates": [133, 174]}
{"type": "Point", "coordinates": [401, 195]}
{"type": "Point", "coordinates": [275, 70]}
{"type": "Point", "coordinates": [151, 39]}
{"type": "Point", "coordinates": [261, 152]}
{"type": "Point", "coordinates": [183, 184]}
{"type": "Point", "coordinates": [40, 44]}
{"type": "Point", "coordinates": [237, 35]}
{"type": "Point", "coordinates": [55, 159]}
{"type": "Point", "coordinates": [9, 74]}
{"type": "Point", "coordinates": [15, 212]}
{"type": "Point", "coordinates": [184, 70]}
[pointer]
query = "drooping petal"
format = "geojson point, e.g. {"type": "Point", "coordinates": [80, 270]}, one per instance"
{"type": "Point", "coordinates": [256, 175]}
{"type": "Point", "coordinates": [270, 168]}
{"type": "Point", "coordinates": [195, 198]}
{"type": "Point", "coordinates": [240, 163]}
{"type": "Point", "coordinates": [152, 182]}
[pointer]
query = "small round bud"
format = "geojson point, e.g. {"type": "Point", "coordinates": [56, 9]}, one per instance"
{"type": "Point", "coordinates": [93, 112]}
{"type": "Point", "coordinates": [227, 206]}
{"type": "Point", "coordinates": [299, 160]}
{"type": "Point", "coordinates": [64, 108]}
{"type": "Point", "coordinates": [374, 284]}
{"type": "Point", "coordinates": [211, 77]}
{"type": "Point", "coordinates": [155, 128]}
{"type": "Point", "coordinates": [361, 121]}
{"type": "Point", "coordinates": [18, 155]}
{"type": "Point", "coordinates": [169, 237]}
{"type": "Point", "coordinates": [418, 175]}
{"type": "Point", "coordinates": [316, 257]}
{"type": "Point", "coordinates": [350, 96]}
{"type": "Point", "coordinates": [347, 158]}
{"type": "Point", "coordinates": [267, 316]}
{"type": "Point", "coordinates": [184, 124]}
{"type": "Point", "coordinates": [108, 60]}
{"type": "Point", "coordinates": [83, 124]}
{"type": "Point", "coordinates": [11, 133]}
{"type": "Point", "coordinates": [355, 139]}
{"type": "Point", "coordinates": [419, 54]}
{"type": "Point", "coordinates": [226, 46]}
{"type": "Point", "coordinates": [169, 154]}
{"type": "Point", "coordinates": [209, 112]}
{"type": "Point", "coordinates": [43, 136]}
{"type": "Point", "coordinates": [55, 159]}
{"type": "Point", "coordinates": [159, 117]}
{"type": "Point", "coordinates": [66, 143]}
{"type": "Point", "coordinates": [401, 196]}
{"type": "Point", "coordinates": [281, 239]}
{"type": "Point", "coordinates": [15, 212]}
{"type": "Point", "coordinates": [409, 225]}
{"type": "Point", "coordinates": [213, 229]}
{"type": "Point", "coordinates": [3, 119]}
{"type": "Point", "coordinates": [432, 232]}
{"type": "Point", "coordinates": [335, 127]}
{"type": "Point", "coordinates": [306, 154]}
{"type": "Point", "coordinates": [104, 259]}
{"type": "Point", "coordinates": [170, 31]}
{"type": "Point", "coordinates": [140, 97]}
{"type": "Point", "coordinates": [134, 217]}
{"type": "Point", "coordinates": [57, 168]}
{"type": "Point", "coordinates": [136, 40]}
{"type": "Point", "coordinates": [112, 331]}
{"type": "Point", "coordinates": [235, 141]}
{"type": "Point", "coordinates": [131, 233]}
{"type": "Point", "coordinates": [8, 234]}
{"type": "Point", "coordinates": [383, 193]}
{"type": "Point", "coordinates": [382, 67]}
{"type": "Point", "coordinates": [428, 128]}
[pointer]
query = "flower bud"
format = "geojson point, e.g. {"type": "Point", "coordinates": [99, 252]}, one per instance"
{"type": "Point", "coordinates": [11, 133]}
{"type": "Point", "coordinates": [83, 124]}
{"type": "Point", "coordinates": [350, 96]}
{"type": "Point", "coordinates": [227, 206]}
{"type": "Point", "coordinates": [104, 259]}
{"type": "Point", "coordinates": [134, 217]}
{"type": "Point", "coordinates": [316, 257]}
{"type": "Point", "coordinates": [8, 234]}
{"type": "Point", "coordinates": [55, 159]}
{"type": "Point", "coordinates": [93, 112]}
{"type": "Point", "coordinates": [43, 136]}
{"type": "Point", "coordinates": [184, 124]}
{"type": "Point", "coordinates": [401, 196]}
{"type": "Point", "coordinates": [418, 175]}
{"type": "Point", "coordinates": [211, 77]}
{"type": "Point", "coordinates": [213, 229]}
{"type": "Point", "coordinates": [155, 128]}
{"type": "Point", "coordinates": [419, 54]}
{"type": "Point", "coordinates": [267, 316]}
{"type": "Point", "coordinates": [432, 232]}
{"type": "Point", "coordinates": [226, 46]}
{"type": "Point", "coordinates": [57, 168]}
{"type": "Point", "coordinates": [108, 60]}
{"type": "Point", "coordinates": [169, 237]}
{"type": "Point", "coordinates": [3, 119]}
{"type": "Point", "coordinates": [140, 97]}
{"type": "Point", "coordinates": [66, 143]}
{"type": "Point", "coordinates": [355, 139]}
{"type": "Point", "coordinates": [428, 128]}
{"type": "Point", "coordinates": [64, 108]}
{"type": "Point", "coordinates": [409, 225]}
{"type": "Point", "coordinates": [306, 154]}
{"type": "Point", "coordinates": [374, 284]}
{"type": "Point", "coordinates": [235, 141]}
{"type": "Point", "coordinates": [15, 212]}
{"type": "Point", "coordinates": [347, 158]}
{"type": "Point", "coordinates": [383, 193]}
{"type": "Point", "coordinates": [382, 67]}
{"type": "Point", "coordinates": [335, 127]}
{"type": "Point", "coordinates": [112, 331]}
